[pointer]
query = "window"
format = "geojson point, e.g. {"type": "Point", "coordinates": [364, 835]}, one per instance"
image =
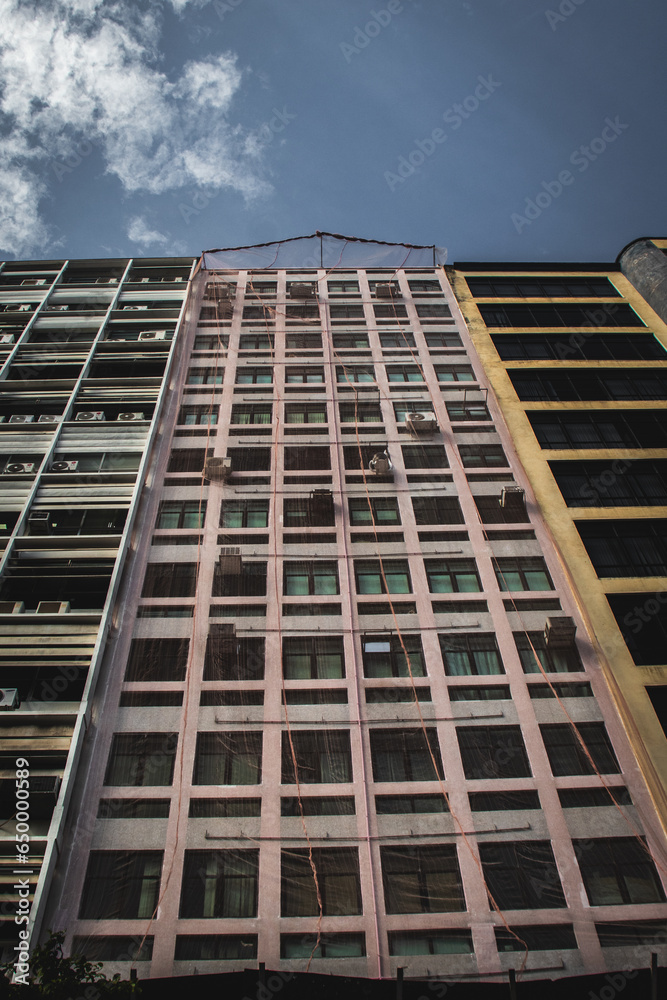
{"type": "Point", "coordinates": [405, 755]}
{"type": "Point", "coordinates": [490, 511]}
{"type": "Point", "coordinates": [493, 752]}
{"type": "Point", "coordinates": [360, 413]}
{"type": "Point", "coordinates": [313, 657]}
{"type": "Point", "coordinates": [113, 948]}
{"type": "Point", "coordinates": [187, 460]}
{"type": "Point", "coordinates": [255, 342]}
{"type": "Point", "coordinates": [261, 288]}
{"type": "Point", "coordinates": [594, 798]}
{"type": "Point", "coordinates": [335, 945]}
{"type": "Point", "coordinates": [641, 619]}
{"type": "Point", "coordinates": [430, 942]}
{"type": "Point", "coordinates": [133, 809]}
{"type": "Point", "coordinates": [227, 808]}
{"type": "Point", "coordinates": [589, 384]}
{"type": "Point", "coordinates": [358, 456]}
{"type": "Point", "coordinates": [626, 548]}
{"type": "Point", "coordinates": [157, 660]}
{"type": "Point", "coordinates": [567, 756]}
{"type": "Point", "coordinates": [215, 947]}
{"type": "Point", "coordinates": [479, 692]}
{"type": "Point", "coordinates": [205, 414]}
{"type": "Point", "coordinates": [401, 409]}
{"type": "Point", "coordinates": [251, 582]}
{"type": "Point", "coordinates": [582, 690]}
{"type": "Point", "coordinates": [385, 655]}
{"type": "Point", "coordinates": [265, 312]}
{"type": "Point", "coordinates": [355, 373]}
{"type": "Point", "coordinates": [452, 576]}
{"type": "Point", "coordinates": [588, 314]}
{"type": "Point", "coordinates": [388, 576]}
{"type": "Point", "coordinates": [424, 285]}
{"type": "Point", "coordinates": [400, 339]}
{"type": "Point", "coordinates": [305, 413]}
{"type": "Point", "coordinates": [579, 347]}
{"type": "Point", "coordinates": [421, 879]}
{"type": "Point", "coordinates": [404, 373]}
{"type": "Point", "coordinates": [303, 341]}
{"type": "Point", "coordinates": [437, 510]}
{"type": "Point", "coordinates": [311, 374]}
{"type": "Point", "coordinates": [316, 510]}
{"type": "Point", "coordinates": [522, 574]}
{"type": "Point", "coordinates": [397, 805]}
{"type": "Point", "coordinates": [500, 801]}
{"type": "Point", "coordinates": [317, 805]}
{"type": "Point", "coordinates": [206, 376]}
{"type": "Point", "coordinates": [467, 411]}
{"type": "Point", "coordinates": [305, 311]}
{"type": "Point", "coordinates": [181, 514]}
{"type": "Point", "coordinates": [470, 654]}
{"type": "Point", "coordinates": [170, 580]}
{"type": "Point", "coordinates": [351, 341]}
{"type": "Point", "coordinates": [121, 885]}
{"type": "Point", "coordinates": [424, 456]}
{"type": "Point", "coordinates": [541, 937]}
{"type": "Point", "coordinates": [618, 870]}
{"type": "Point", "coordinates": [532, 647]}
{"type": "Point", "coordinates": [439, 309]}
{"type": "Point", "coordinates": [233, 658]}
{"type": "Point", "coordinates": [374, 510]}
{"type": "Point", "coordinates": [257, 413]}
{"type": "Point", "coordinates": [141, 759]}
{"type": "Point", "coordinates": [455, 373]}
{"type": "Point", "coordinates": [346, 311]}
{"type": "Point", "coordinates": [630, 935]}
{"type": "Point", "coordinates": [443, 338]}
{"type": "Point", "coordinates": [302, 578]}
{"type": "Point", "coordinates": [244, 514]}
{"type": "Point", "coordinates": [522, 875]}
{"type": "Point", "coordinates": [600, 429]}
{"type": "Point", "coordinates": [211, 342]}
{"type": "Point", "coordinates": [302, 457]}
{"type": "Point", "coordinates": [254, 376]}
{"type": "Point", "coordinates": [219, 884]}
{"type": "Point", "coordinates": [323, 756]}
{"type": "Point", "coordinates": [482, 456]}
{"type": "Point", "coordinates": [337, 879]}
{"type": "Point", "coordinates": [541, 287]}
{"type": "Point", "coordinates": [391, 311]}
{"type": "Point", "coordinates": [250, 459]}
{"type": "Point", "coordinates": [228, 759]}
{"type": "Point", "coordinates": [343, 287]}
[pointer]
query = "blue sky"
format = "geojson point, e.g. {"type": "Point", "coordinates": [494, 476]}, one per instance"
{"type": "Point", "coordinates": [499, 129]}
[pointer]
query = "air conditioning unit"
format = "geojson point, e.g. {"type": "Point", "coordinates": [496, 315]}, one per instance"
{"type": "Point", "coordinates": [134, 308]}
{"type": "Point", "coordinates": [302, 290]}
{"type": "Point", "coordinates": [174, 279]}
{"type": "Point", "coordinates": [230, 560]}
{"type": "Point", "coordinates": [22, 418]}
{"type": "Point", "coordinates": [53, 607]}
{"type": "Point", "coordinates": [386, 290]}
{"type": "Point", "coordinates": [61, 308]}
{"type": "Point", "coordinates": [380, 464]}
{"type": "Point", "coordinates": [512, 498]}
{"type": "Point", "coordinates": [34, 281]}
{"type": "Point", "coordinates": [129, 416]}
{"type": "Point", "coordinates": [144, 281]}
{"type": "Point", "coordinates": [39, 522]}
{"type": "Point", "coordinates": [218, 469]}
{"type": "Point", "coordinates": [421, 423]}
{"type": "Point", "coordinates": [559, 633]}
{"type": "Point", "coordinates": [153, 335]}
{"type": "Point", "coordinates": [45, 784]}
{"type": "Point", "coordinates": [9, 699]}
{"type": "Point", "coordinates": [64, 467]}
{"type": "Point", "coordinates": [7, 338]}
{"type": "Point", "coordinates": [86, 416]}
{"type": "Point", "coordinates": [106, 281]}
{"type": "Point", "coordinates": [12, 607]}
{"type": "Point", "coordinates": [19, 468]}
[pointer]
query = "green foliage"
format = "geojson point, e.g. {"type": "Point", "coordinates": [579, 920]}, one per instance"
{"type": "Point", "coordinates": [65, 978]}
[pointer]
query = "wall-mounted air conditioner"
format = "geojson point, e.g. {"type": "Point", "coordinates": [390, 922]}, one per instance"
{"type": "Point", "coordinates": [559, 633]}
{"type": "Point", "coordinates": [153, 335]}
{"type": "Point", "coordinates": [19, 468]}
{"type": "Point", "coordinates": [64, 467]}
{"type": "Point", "coordinates": [9, 699]}
{"type": "Point", "coordinates": [48, 418]}
{"type": "Point", "coordinates": [380, 464]}
{"type": "Point", "coordinates": [421, 422]}
{"type": "Point", "coordinates": [512, 498]}
{"type": "Point", "coordinates": [302, 290]}
{"type": "Point", "coordinates": [386, 290]}
{"type": "Point", "coordinates": [87, 416]}
{"type": "Point", "coordinates": [218, 469]}
{"type": "Point", "coordinates": [134, 308]}
{"type": "Point", "coordinates": [21, 418]}
{"type": "Point", "coordinates": [6, 338]}
{"type": "Point", "coordinates": [39, 522]}
{"type": "Point", "coordinates": [129, 416]}
{"type": "Point", "coordinates": [53, 607]}
{"type": "Point", "coordinates": [12, 607]}
{"type": "Point", "coordinates": [61, 308]}
{"type": "Point", "coordinates": [230, 560]}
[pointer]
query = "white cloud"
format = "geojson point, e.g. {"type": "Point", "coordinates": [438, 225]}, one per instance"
{"type": "Point", "coordinates": [139, 232]}
{"type": "Point", "coordinates": [87, 72]}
